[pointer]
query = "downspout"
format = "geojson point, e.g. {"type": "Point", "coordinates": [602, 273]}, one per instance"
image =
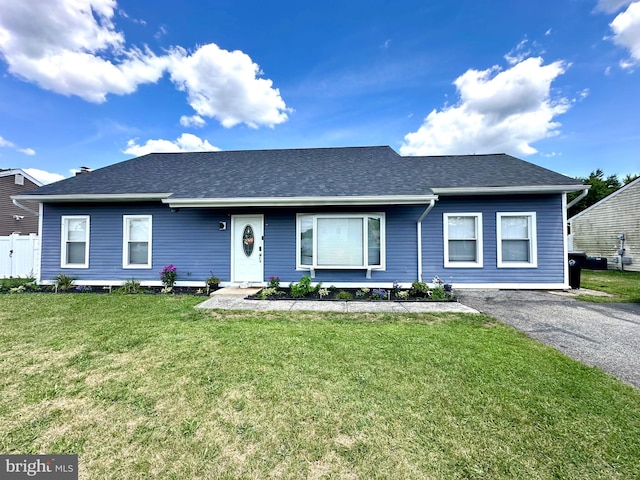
{"type": "Point", "coordinates": [419, 229]}
{"type": "Point", "coordinates": [578, 198]}
{"type": "Point", "coordinates": [19, 205]}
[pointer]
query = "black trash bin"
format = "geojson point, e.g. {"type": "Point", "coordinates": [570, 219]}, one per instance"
{"type": "Point", "coordinates": [576, 262]}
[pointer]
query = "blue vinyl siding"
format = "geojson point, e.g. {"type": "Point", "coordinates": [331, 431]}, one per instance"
{"type": "Point", "coordinates": [551, 259]}
{"type": "Point", "coordinates": [401, 246]}
{"type": "Point", "coordinates": [191, 240]}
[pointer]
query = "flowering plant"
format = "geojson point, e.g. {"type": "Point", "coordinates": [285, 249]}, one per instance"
{"type": "Point", "coordinates": [168, 276]}
{"type": "Point", "coordinates": [274, 282]}
{"type": "Point", "coordinates": [378, 294]}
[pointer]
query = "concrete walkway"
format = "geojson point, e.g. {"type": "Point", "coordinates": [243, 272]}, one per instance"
{"type": "Point", "coordinates": [234, 299]}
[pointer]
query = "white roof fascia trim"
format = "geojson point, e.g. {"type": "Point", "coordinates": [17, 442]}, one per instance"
{"type": "Point", "coordinates": [299, 201]}
{"type": "Point", "coordinates": [620, 190]}
{"type": "Point", "coordinates": [99, 197]}
{"type": "Point", "coordinates": [19, 171]}
{"type": "Point", "coordinates": [507, 190]}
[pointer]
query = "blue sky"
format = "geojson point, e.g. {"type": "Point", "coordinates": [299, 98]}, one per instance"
{"type": "Point", "coordinates": [94, 82]}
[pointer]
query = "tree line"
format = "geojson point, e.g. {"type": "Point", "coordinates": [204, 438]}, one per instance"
{"type": "Point", "coordinates": [601, 187]}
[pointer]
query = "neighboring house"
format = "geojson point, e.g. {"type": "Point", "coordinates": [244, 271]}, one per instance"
{"type": "Point", "coordinates": [610, 225]}
{"type": "Point", "coordinates": [12, 218]}
{"type": "Point", "coordinates": [349, 217]}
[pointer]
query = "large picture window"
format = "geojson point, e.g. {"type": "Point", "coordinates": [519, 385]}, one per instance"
{"type": "Point", "coordinates": [75, 242]}
{"type": "Point", "coordinates": [341, 241]}
{"type": "Point", "coordinates": [516, 236]}
{"type": "Point", "coordinates": [136, 248]}
{"type": "Point", "coordinates": [463, 240]}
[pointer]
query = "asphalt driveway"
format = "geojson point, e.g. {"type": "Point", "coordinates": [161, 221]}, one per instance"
{"type": "Point", "coordinates": [606, 335]}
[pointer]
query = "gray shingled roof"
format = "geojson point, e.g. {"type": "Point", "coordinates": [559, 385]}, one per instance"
{"type": "Point", "coordinates": [493, 170]}
{"type": "Point", "coordinates": [314, 172]}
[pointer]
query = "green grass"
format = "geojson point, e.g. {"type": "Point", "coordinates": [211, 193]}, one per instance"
{"type": "Point", "coordinates": [624, 286]}
{"type": "Point", "coordinates": [147, 387]}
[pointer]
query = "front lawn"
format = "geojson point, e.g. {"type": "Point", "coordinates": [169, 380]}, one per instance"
{"type": "Point", "coordinates": [145, 386]}
{"type": "Point", "coordinates": [625, 286]}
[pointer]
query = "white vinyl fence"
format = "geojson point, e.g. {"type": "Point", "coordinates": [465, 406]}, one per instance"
{"type": "Point", "coordinates": [19, 255]}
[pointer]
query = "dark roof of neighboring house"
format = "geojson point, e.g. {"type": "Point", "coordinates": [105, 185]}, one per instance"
{"type": "Point", "coordinates": [313, 172]}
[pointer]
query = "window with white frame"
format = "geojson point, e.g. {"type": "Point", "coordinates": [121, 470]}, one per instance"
{"type": "Point", "coordinates": [517, 240]}
{"type": "Point", "coordinates": [463, 240]}
{"type": "Point", "coordinates": [75, 242]}
{"type": "Point", "coordinates": [341, 241]}
{"type": "Point", "coordinates": [136, 248]}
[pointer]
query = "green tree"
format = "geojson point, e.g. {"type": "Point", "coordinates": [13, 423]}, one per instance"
{"type": "Point", "coordinates": [630, 177]}
{"type": "Point", "coordinates": [600, 188]}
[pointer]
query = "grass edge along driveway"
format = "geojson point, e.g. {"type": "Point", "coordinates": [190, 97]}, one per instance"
{"type": "Point", "coordinates": [148, 387]}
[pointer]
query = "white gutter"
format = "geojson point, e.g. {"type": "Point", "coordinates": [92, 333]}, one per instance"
{"type": "Point", "coordinates": [27, 209]}
{"type": "Point", "coordinates": [99, 197]}
{"type": "Point", "coordinates": [579, 197]}
{"type": "Point", "coordinates": [523, 189]}
{"type": "Point", "coordinates": [299, 201]}
{"type": "Point", "coordinates": [419, 230]}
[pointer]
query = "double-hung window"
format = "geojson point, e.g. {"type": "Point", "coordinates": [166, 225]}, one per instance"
{"type": "Point", "coordinates": [136, 248]}
{"type": "Point", "coordinates": [516, 237]}
{"type": "Point", "coordinates": [341, 241]}
{"type": "Point", "coordinates": [463, 240]}
{"type": "Point", "coordinates": [75, 242]}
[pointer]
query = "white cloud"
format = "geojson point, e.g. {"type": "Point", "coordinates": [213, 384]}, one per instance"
{"type": "Point", "coordinates": [611, 6]}
{"type": "Point", "coordinates": [44, 176]}
{"type": "Point", "coordinates": [626, 32]}
{"type": "Point", "coordinates": [73, 47]}
{"type": "Point", "coordinates": [187, 142]}
{"type": "Point", "coordinates": [6, 143]}
{"type": "Point", "coordinates": [518, 53]}
{"type": "Point", "coordinates": [225, 85]}
{"type": "Point", "coordinates": [193, 121]}
{"type": "Point", "coordinates": [497, 111]}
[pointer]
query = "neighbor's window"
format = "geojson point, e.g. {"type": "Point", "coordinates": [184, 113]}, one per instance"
{"type": "Point", "coordinates": [463, 240]}
{"type": "Point", "coordinates": [75, 242]}
{"type": "Point", "coordinates": [341, 241]}
{"type": "Point", "coordinates": [136, 249]}
{"type": "Point", "coordinates": [516, 237]}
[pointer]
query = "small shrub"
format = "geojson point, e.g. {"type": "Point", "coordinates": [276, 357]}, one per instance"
{"type": "Point", "coordinates": [130, 287]}
{"type": "Point", "coordinates": [303, 287]}
{"type": "Point", "coordinates": [18, 289]}
{"type": "Point", "coordinates": [274, 282]}
{"type": "Point", "coordinates": [63, 282]}
{"type": "Point", "coordinates": [323, 292]}
{"type": "Point", "coordinates": [168, 275]}
{"type": "Point", "coordinates": [402, 294]}
{"type": "Point", "coordinates": [269, 292]}
{"type": "Point", "coordinates": [419, 289]}
{"type": "Point", "coordinates": [379, 294]}
{"type": "Point", "coordinates": [344, 295]}
{"type": "Point", "coordinates": [8, 284]}
{"type": "Point", "coordinates": [438, 293]}
{"type": "Point", "coordinates": [363, 292]}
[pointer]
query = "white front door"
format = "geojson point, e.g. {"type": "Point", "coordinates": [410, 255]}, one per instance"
{"type": "Point", "coordinates": [247, 248]}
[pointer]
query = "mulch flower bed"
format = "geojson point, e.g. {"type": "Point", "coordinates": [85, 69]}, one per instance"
{"type": "Point", "coordinates": [360, 295]}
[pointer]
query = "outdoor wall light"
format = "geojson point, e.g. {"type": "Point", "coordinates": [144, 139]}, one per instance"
{"type": "Point", "coordinates": [223, 225]}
